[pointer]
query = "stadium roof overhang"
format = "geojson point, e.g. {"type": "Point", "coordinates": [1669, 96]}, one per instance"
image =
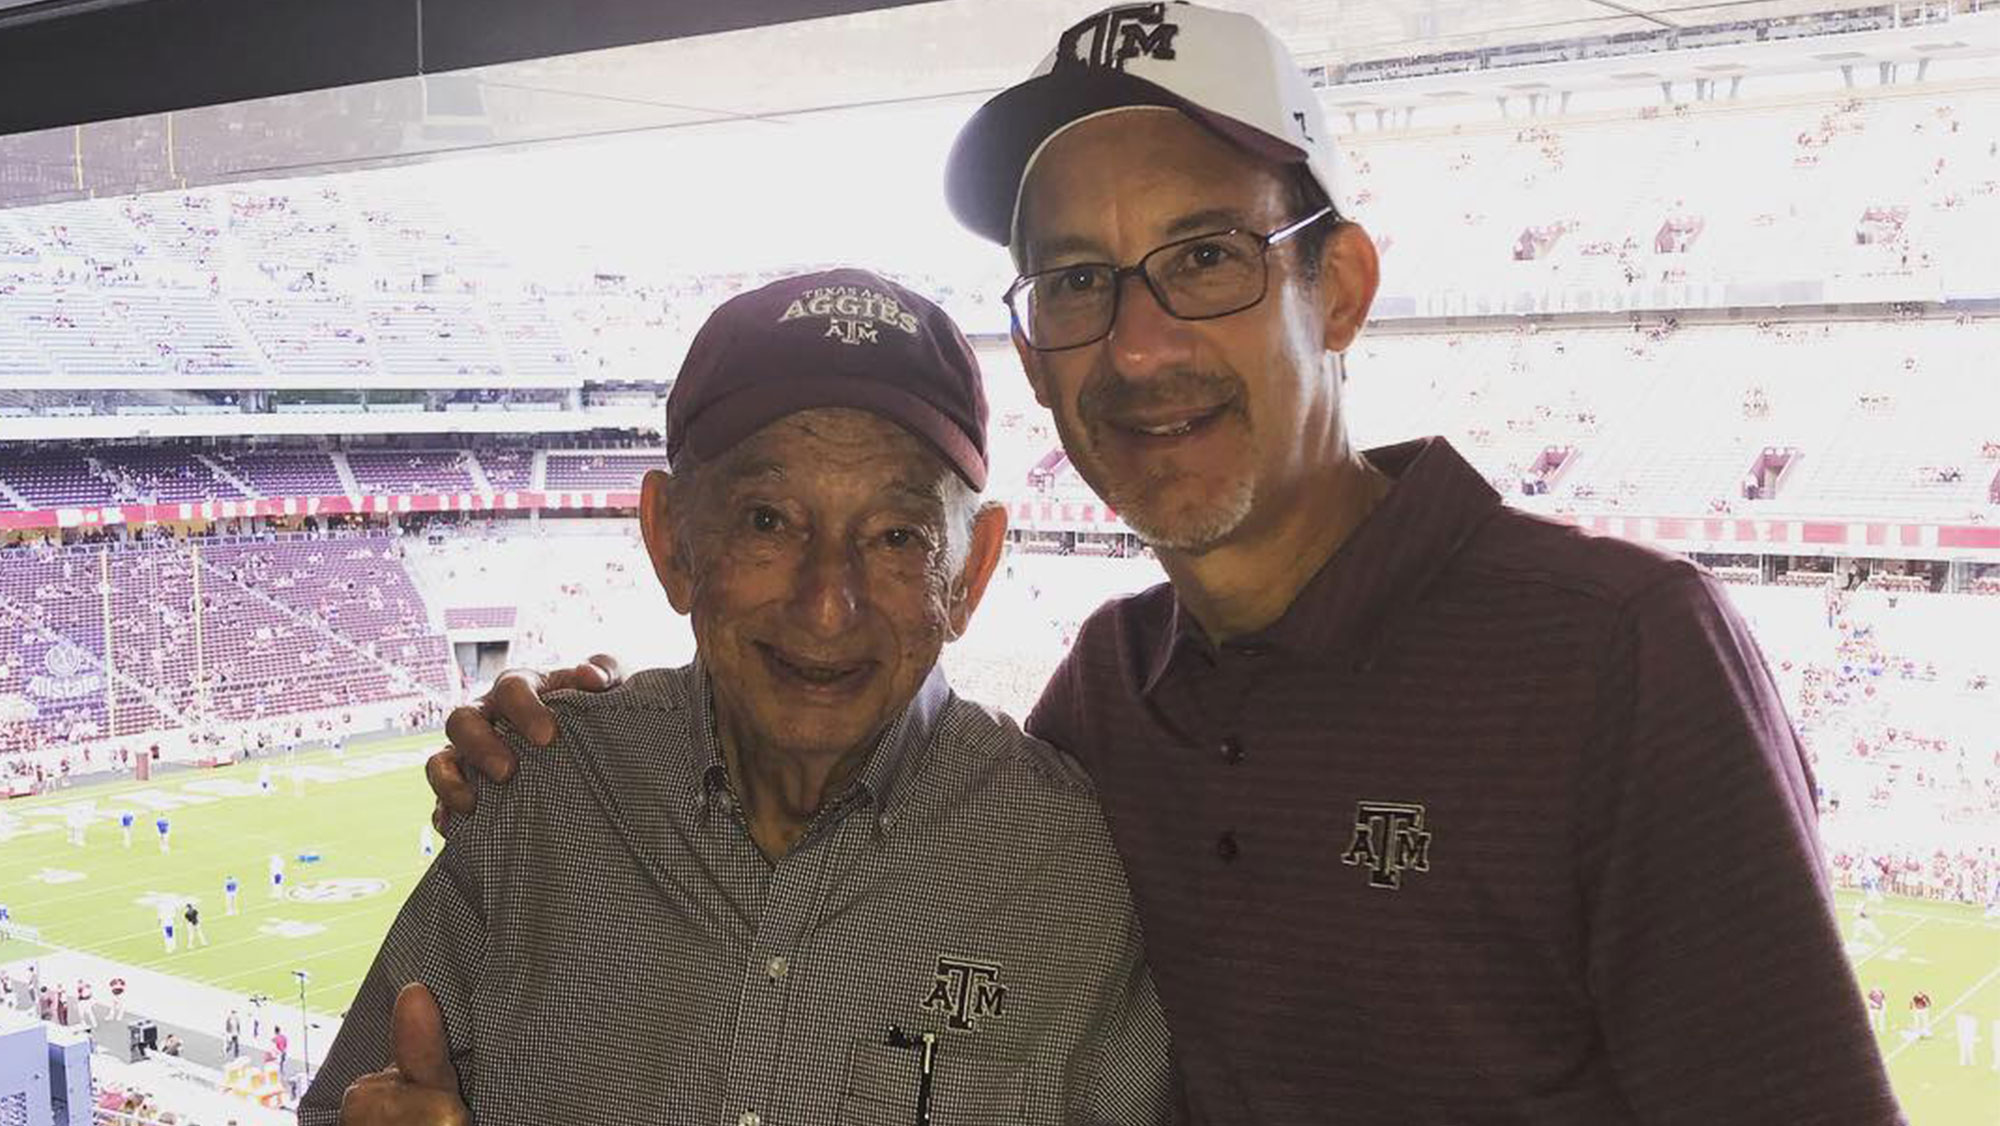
{"type": "Point", "coordinates": [107, 97]}
{"type": "Point", "coordinates": [66, 62]}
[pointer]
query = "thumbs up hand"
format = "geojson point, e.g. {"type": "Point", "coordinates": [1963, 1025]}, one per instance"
{"type": "Point", "coordinates": [421, 1087]}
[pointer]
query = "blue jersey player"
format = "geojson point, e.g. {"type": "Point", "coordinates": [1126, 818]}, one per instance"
{"type": "Point", "coordinates": [229, 895]}
{"type": "Point", "coordinates": [125, 823]}
{"type": "Point", "coordinates": [161, 825]}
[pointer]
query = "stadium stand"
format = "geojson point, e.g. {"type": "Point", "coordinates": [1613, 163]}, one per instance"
{"type": "Point", "coordinates": [412, 471]}
{"type": "Point", "coordinates": [142, 474]}
{"type": "Point", "coordinates": [433, 339]}
{"type": "Point", "coordinates": [479, 617]}
{"type": "Point", "coordinates": [506, 468]}
{"type": "Point", "coordinates": [310, 339]}
{"type": "Point", "coordinates": [283, 473]}
{"type": "Point", "coordinates": [287, 625]}
{"type": "Point", "coordinates": [600, 470]}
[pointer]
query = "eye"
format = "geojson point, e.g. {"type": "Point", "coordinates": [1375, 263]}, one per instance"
{"type": "Point", "coordinates": [1207, 255]}
{"type": "Point", "coordinates": [900, 538]}
{"type": "Point", "coordinates": [1071, 282]}
{"type": "Point", "coordinates": [765, 519]}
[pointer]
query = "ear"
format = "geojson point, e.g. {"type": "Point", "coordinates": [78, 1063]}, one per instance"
{"type": "Point", "coordinates": [658, 527]}
{"type": "Point", "coordinates": [989, 542]}
{"type": "Point", "coordinates": [1029, 360]}
{"type": "Point", "coordinates": [1349, 271]}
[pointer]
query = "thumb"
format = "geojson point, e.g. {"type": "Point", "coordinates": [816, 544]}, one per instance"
{"type": "Point", "coordinates": [416, 1034]}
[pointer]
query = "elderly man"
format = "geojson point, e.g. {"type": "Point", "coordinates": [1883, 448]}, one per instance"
{"type": "Point", "coordinates": [829, 889]}
{"type": "Point", "coordinates": [1434, 811]}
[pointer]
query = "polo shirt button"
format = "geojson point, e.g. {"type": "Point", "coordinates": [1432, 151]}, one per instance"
{"type": "Point", "coordinates": [777, 967]}
{"type": "Point", "coordinates": [748, 1118]}
{"type": "Point", "coordinates": [1226, 847]}
{"type": "Point", "coordinates": [1232, 750]}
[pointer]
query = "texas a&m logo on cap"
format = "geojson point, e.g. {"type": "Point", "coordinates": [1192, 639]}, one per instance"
{"type": "Point", "coordinates": [853, 314]}
{"type": "Point", "coordinates": [1112, 37]}
{"type": "Point", "coordinates": [1389, 840]}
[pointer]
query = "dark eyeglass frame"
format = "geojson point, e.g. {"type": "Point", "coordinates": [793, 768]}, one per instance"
{"type": "Point", "coordinates": [1118, 274]}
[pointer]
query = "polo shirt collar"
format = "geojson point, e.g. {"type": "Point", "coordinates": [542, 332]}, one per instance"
{"type": "Point", "coordinates": [1438, 500]}
{"type": "Point", "coordinates": [881, 779]}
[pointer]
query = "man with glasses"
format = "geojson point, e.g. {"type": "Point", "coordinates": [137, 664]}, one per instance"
{"type": "Point", "coordinates": [1433, 811]}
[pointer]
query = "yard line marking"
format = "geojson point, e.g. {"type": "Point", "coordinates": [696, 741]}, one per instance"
{"type": "Point", "coordinates": [1962, 999]}
{"type": "Point", "coordinates": [1889, 945]}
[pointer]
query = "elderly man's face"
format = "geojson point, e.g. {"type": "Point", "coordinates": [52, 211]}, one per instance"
{"type": "Point", "coordinates": [1192, 430]}
{"type": "Point", "coordinates": [812, 559]}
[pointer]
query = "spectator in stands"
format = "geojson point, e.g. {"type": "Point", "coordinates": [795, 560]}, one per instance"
{"type": "Point", "coordinates": [820, 794]}
{"type": "Point", "coordinates": [1359, 653]}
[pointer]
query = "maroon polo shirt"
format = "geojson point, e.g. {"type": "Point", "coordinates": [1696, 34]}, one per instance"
{"type": "Point", "coordinates": [1499, 823]}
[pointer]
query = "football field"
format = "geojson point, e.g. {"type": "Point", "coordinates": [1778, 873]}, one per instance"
{"type": "Point", "coordinates": [359, 814]}
{"type": "Point", "coordinates": [362, 814]}
{"type": "Point", "coordinates": [1951, 952]}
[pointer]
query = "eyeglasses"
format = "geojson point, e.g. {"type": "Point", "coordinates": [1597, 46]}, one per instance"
{"type": "Point", "coordinates": [1193, 279]}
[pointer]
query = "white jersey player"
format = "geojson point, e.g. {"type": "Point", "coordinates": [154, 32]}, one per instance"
{"type": "Point", "coordinates": [426, 841]}
{"type": "Point", "coordinates": [167, 925]}
{"type": "Point", "coordinates": [1865, 928]}
{"type": "Point", "coordinates": [1968, 1040]}
{"type": "Point", "coordinates": [78, 821]}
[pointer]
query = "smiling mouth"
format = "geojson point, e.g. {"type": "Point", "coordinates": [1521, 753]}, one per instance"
{"type": "Point", "coordinates": [1177, 424]}
{"type": "Point", "coordinates": [814, 674]}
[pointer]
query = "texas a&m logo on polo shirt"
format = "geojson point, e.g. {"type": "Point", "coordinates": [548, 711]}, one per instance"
{"type": "Point", "coordinates": [1109, 39]}
{"type": "Point", "coordinates": [854, 314]}
{"type": "Point", "coordinates": [1389, 839]}
{"type": "Point", "coordinates": [964, 991]}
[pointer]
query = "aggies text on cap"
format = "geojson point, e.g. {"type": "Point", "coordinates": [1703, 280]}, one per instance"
{"type": "Point", "coordinates": [839, 338]}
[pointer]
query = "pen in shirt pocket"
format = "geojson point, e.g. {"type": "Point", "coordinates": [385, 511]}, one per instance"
{"type": "Point", "coordinates": [928, 1043]}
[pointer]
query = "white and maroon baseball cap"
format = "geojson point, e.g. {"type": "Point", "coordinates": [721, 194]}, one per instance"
{"type": "Point", "coordinates": [1223, 69]}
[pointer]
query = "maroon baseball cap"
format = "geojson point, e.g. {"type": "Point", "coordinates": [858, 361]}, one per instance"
{"type": "Point", "coordinates": [838, 338]}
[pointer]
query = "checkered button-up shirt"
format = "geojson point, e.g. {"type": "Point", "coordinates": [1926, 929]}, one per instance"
{"type": "Point", "coordinates": [607, 944]}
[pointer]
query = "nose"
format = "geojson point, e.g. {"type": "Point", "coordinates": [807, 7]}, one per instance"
{"type": "Point", "coordinates": [830, 588]}
{"type": "Point", "coordinates": [1145, 338]}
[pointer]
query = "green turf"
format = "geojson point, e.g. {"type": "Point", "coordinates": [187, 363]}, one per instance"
{"type": "Point", "coordinates": [363, 828]}
{"type": "Point", "coordinates": [367, 828]}
{"type": "Point", "coordinates": [1950, 952]}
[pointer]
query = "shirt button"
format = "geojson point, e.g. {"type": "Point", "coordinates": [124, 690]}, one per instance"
{"type": "Point", "coordinates": [1232, 750]}
{"type": "Point", "coordinates": [1226, 848]}
{"type": "Point", "coordinates": [748, 1118]}
{"type": "Point", "coordinates": [777, 967]}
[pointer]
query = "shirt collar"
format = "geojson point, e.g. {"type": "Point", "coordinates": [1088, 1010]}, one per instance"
{"type": "Point", "coordinates": [896, 751]}
{"type": "Point", "coordinates": [1436, 503]}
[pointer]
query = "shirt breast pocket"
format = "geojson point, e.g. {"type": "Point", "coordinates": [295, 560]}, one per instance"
{"type": "Point", "coordinates": [967, 1088]}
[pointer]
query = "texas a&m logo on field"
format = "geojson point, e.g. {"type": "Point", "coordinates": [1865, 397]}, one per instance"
{"type": "Point", "coordinates": [1389, 839]}
{"type": "Point", "coordinates": [965, 991]}
{"type": "Point", "coordinates": [1110, 39]}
